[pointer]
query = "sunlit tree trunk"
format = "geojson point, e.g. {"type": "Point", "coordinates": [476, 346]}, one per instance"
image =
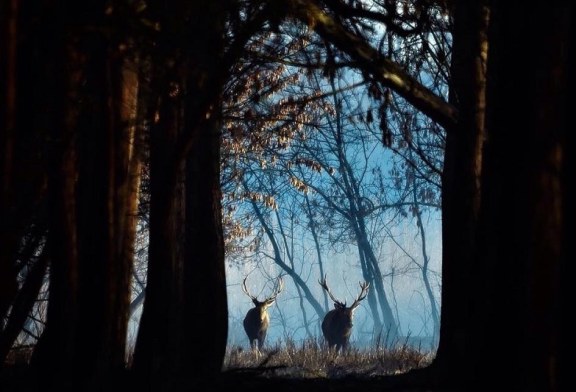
{"type": "Point", "coordinates": [84, 341]}
{"type": "Point", "coordinates": [106, 190]}
{"type": "Point", "coordinates": [132, 147]}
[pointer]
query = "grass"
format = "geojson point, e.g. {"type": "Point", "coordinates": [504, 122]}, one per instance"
{"type": "Point", "coordinates": [284, 367]}
{"type": "Point", "coordinates": [311, 359]}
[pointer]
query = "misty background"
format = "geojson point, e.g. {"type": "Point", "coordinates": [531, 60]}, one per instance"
{"type": "Point", "coordinates": [398, 255]}
{"type": "Point", "coordinates": [343, 275]}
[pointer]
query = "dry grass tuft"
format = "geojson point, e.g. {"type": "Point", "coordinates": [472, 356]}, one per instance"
{"type": "Point", "coordinates": [311, 359]}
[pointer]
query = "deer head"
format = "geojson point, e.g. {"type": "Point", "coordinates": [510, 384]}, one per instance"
{"type": "Point", "coordinates": [337, 324]}
{"type": "Point", "coordinates": [257, 320]}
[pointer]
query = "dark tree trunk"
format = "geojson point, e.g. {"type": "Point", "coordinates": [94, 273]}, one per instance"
{"type": "Point", "coordinates": [54, 353]}
{"type": "Point", "coordinates": [58, 73]}
{"type": "Point", "coordinates": [506, 226]}
{"type": "Point", "coordinates": [22, 165]}
{"type": "Point", "coordinates": [105, 193]}
{"type": "Point", "coordinates": [95, 217]}
{"type": "Point", "coordinates": [205, 313]}
{"type": "Point", "coordinates": [522, 239]}
{"type": "Point", "coordinates": [8, 232]}
{"type": "Point", "coordinates": [157, 346]}
{"type": "Point", "coordinates": [183, 330]}
{"type": "Point", "coordinates": [461, 191]}
{"type": "Point", "coordinates": [157, 351]}
{"type": "Point", "coordinates": [85, 336]}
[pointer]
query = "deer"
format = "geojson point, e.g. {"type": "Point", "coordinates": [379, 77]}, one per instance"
{"type": "Point", "coordinates": [257, 319]}
{"type": "Point", "coordinates": [337, 323]}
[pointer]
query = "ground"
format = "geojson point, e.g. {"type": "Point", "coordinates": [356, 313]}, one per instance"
{"type": "Point", "coordinates": [246, 380]}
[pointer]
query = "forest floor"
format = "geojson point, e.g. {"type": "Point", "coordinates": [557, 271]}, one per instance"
{"type": "Point", "coordinates": [289, 367]}
{"type": "Point", "coordinates": [18, 380]}
{"type": "Point", "coordinates": [350, 382]}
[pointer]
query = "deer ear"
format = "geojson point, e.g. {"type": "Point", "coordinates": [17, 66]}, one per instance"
{"type": "Point", "coordinates": [270, 302]}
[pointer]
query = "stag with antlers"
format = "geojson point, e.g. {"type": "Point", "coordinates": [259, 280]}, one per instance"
{"type": "Point", "coordinates": [257, 320]}
{"type": "Point", "coordinates": [337, 324]}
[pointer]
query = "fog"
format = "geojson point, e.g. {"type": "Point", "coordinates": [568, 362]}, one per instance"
{"type": "Point", "coordinates": [402, 282]}
{"type": "Point", "coordinates": [398, 257]}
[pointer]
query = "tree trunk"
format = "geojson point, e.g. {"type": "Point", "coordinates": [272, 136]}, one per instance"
{"type": "Point", "coordinates": [132, 146]}
{"type": "Point", "coordinates": [186, 259]}
{"type": "Point", "coordinates": [461, 191]}
{"type": "Point", "coordinates": [424, 266]}
{"type": "Point", "coordinates": [105, 192]}
{"type": "Point", "coordinates": [157, 345]}
{"type": "Point", "coordinates": [8, 228]}
{"type": "Point", "coordinates": [84, 341]}
{"type": "Point", "coordinates": [58, 72]}
{"type": "Point", "coordinates": [205, 315]}
{"type": "Point", "coordinates": [505, 227]}
{"type": "Point", "coordinates": [301, 285]}
{"type": "Point", "coordinates": [522, 248]}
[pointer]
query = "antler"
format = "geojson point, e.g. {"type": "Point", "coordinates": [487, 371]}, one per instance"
{"type": "Point", "coordinates": [245, 289]}
{"type": "Point", "coordinates": [363, 293]}
{"type": "Point", "coordinates": [278, 289]}
{"type": "Point", "coordinates": [325, 287]}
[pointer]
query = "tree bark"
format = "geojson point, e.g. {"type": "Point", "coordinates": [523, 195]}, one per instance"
{"type": "Point", "coordinates": [157, 343]}
{"type": "Point", "coordinates": [205, 295]}
{"type": "Point", "coordinates": [522, 248]}
{"type": "Point", "coordinates": [106, 190]}
{"type": "Point", "coordinates": [58, 72]}
{"type": "Point", "coordinates": [461, 190]}
{"type": "Point", "coordinates": [8, 228]}
{"type": "Point", "coordinates": [83, 344]}
{"type": "Point", "coordinates": [186, 259]}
